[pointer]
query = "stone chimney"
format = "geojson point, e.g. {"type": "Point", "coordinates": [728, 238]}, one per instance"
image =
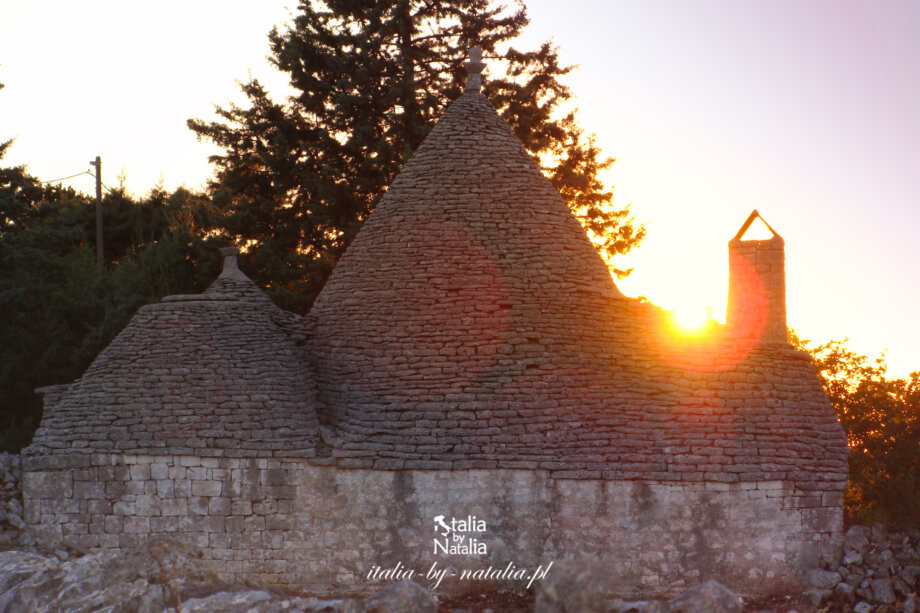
{"type": "Point", "coordinates": [757, 286]}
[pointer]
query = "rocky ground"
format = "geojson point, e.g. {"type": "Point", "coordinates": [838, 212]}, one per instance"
{"type": "Point", "coordinates": [877, 574]}
{"type": "Point", "coordinates": [166, 575]}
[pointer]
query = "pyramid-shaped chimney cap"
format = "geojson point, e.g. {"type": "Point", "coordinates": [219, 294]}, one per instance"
{"type": "Point", "coordinates": [755, 215]}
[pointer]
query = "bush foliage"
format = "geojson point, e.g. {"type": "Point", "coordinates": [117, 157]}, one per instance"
{"type": "Point", "coordinates": [881, 417]}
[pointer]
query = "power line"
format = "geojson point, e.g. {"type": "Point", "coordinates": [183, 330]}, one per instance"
{"type": "Point", "coordinates": [85, 172]}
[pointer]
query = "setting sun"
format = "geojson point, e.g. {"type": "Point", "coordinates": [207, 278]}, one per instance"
{"type": "Point", "coordinates": [692, 319]}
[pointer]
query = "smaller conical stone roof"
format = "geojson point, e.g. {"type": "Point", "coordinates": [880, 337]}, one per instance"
{"type": "Point", "coordinates": [211, 374]}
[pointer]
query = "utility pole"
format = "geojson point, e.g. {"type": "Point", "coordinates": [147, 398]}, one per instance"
{"type": "Point", "coordinates": [98, 164]}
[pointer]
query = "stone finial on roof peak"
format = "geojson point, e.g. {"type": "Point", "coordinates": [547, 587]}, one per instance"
{"type": "Point", "coordinates": [232, 284]}
{"type": "Point", "coordinates": [231, 269]}
{"type": "Point", "coordinates": [474, 70]}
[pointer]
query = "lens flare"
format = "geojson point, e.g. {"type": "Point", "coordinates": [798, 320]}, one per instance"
{"type": "Point", "coordinates": [692, 319]}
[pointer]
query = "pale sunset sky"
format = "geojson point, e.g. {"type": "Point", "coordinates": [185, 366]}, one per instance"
{"type": "Point", "coordinates": [807, 110]}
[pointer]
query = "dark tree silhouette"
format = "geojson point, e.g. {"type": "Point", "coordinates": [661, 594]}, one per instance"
{"type": "Point", "coordinates": [296, 179]}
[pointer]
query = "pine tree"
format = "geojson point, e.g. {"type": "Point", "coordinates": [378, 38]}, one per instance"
{"type": "Point", "coordinates": [296, 179]}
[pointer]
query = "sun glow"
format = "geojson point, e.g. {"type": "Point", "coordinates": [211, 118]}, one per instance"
{"type": "Point", "coordinates": [692, 319]}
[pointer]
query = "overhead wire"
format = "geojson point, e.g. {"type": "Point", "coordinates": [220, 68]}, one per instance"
{"type": "Point", "coordinates": [79, 174]}
{"type": "Point", "coordinates": [85, 172]}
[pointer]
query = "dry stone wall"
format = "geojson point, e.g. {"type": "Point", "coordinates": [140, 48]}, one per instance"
{"type": "Point", "coordinates": [292, 523]}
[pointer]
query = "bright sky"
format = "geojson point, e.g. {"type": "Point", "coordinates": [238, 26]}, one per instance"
{"type": "Point", "coordinates": [807, 111]}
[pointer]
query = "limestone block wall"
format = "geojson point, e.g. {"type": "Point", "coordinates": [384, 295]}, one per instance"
{"type": "Point", "coordinates": [320, 528]}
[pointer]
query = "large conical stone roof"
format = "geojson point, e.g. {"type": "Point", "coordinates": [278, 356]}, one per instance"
{"type": "Point", "coordinates": [472, 324]}
{"type": "Point", "coordinates": [470, 260]}
{"type": "Point", "coordinates": [213, 374]}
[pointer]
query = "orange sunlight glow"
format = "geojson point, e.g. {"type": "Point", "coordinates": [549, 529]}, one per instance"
{"type": "Point", "coordinates": [692, 320]}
